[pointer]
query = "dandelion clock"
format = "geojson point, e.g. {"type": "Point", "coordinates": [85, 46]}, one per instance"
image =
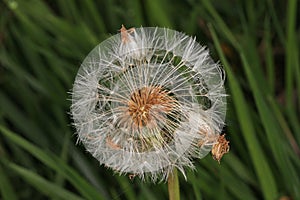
{"type": "Point", "coordinates": [147, 101]}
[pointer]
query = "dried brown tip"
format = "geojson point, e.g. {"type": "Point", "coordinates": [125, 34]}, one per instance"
{"type": "Point", "coordinates": [131, 176]}
{"type": "Point", "coordinates": [207, 136]}
{"type": "Point", "coordinates": [220, 148]}
{"type": "Point", "coordinates": [111, 144]}
{"type": "Point", "coordinates": [125, 33]}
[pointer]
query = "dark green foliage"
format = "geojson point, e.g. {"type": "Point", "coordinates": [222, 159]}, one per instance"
{"type": "Point", "coordinates": [42, 44]}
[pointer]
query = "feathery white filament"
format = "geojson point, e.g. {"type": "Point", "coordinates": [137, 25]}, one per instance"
{"type": "Point", "coordinates": [147, 100]}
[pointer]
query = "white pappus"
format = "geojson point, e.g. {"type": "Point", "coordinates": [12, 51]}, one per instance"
{"type": "Point", "coordinates": [147, 100]}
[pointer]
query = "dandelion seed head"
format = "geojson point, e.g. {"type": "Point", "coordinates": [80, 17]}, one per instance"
{"type": "Point", "coordinates": [147, 100]}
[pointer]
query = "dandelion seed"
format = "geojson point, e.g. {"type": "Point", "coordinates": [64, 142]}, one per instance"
{"type": "Point", "coordinates": [148, 100]}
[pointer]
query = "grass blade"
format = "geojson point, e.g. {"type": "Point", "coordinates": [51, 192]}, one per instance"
{"type": "Point", "coordinates": [161, 17]}
{"type": "Point", "coordinates": [49, 189]}
{"type": "Point", "coordinates": [262, 168]}
{"type": "Point", "coordinates": [56, 164]}
{"type": "Point", "coordinates": [290, 52]}
{"type": "Point", "coordinates": [6, 189]}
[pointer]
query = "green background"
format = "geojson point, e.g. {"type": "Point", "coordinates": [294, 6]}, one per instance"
{"type": "Point", "coordinates": [42, 44]}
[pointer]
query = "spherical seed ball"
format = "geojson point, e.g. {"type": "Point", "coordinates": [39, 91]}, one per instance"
{"type": "Point", "coordinates": [147, 100]}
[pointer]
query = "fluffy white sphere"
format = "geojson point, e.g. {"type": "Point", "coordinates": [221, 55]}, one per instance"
{"type": "Point", "coordinates": [147, 100]}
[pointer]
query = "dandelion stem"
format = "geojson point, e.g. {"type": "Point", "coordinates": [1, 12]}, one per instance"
{"type": "Point", "coordinates": [173, 185]}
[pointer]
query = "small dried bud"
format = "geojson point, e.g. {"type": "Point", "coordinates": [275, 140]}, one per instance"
{"type": "Point", "coordinates": [220, 148]}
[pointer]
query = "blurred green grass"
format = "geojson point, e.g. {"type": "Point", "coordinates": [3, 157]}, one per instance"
{"type": "Point", "coordinates": [42, 44]}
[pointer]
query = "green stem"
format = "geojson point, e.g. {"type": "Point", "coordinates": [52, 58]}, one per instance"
{"type": "Point", "coordinates": [173, 185]}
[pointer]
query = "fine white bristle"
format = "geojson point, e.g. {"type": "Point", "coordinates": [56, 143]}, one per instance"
{"type": "Point", "coordinates": [147, 100]}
